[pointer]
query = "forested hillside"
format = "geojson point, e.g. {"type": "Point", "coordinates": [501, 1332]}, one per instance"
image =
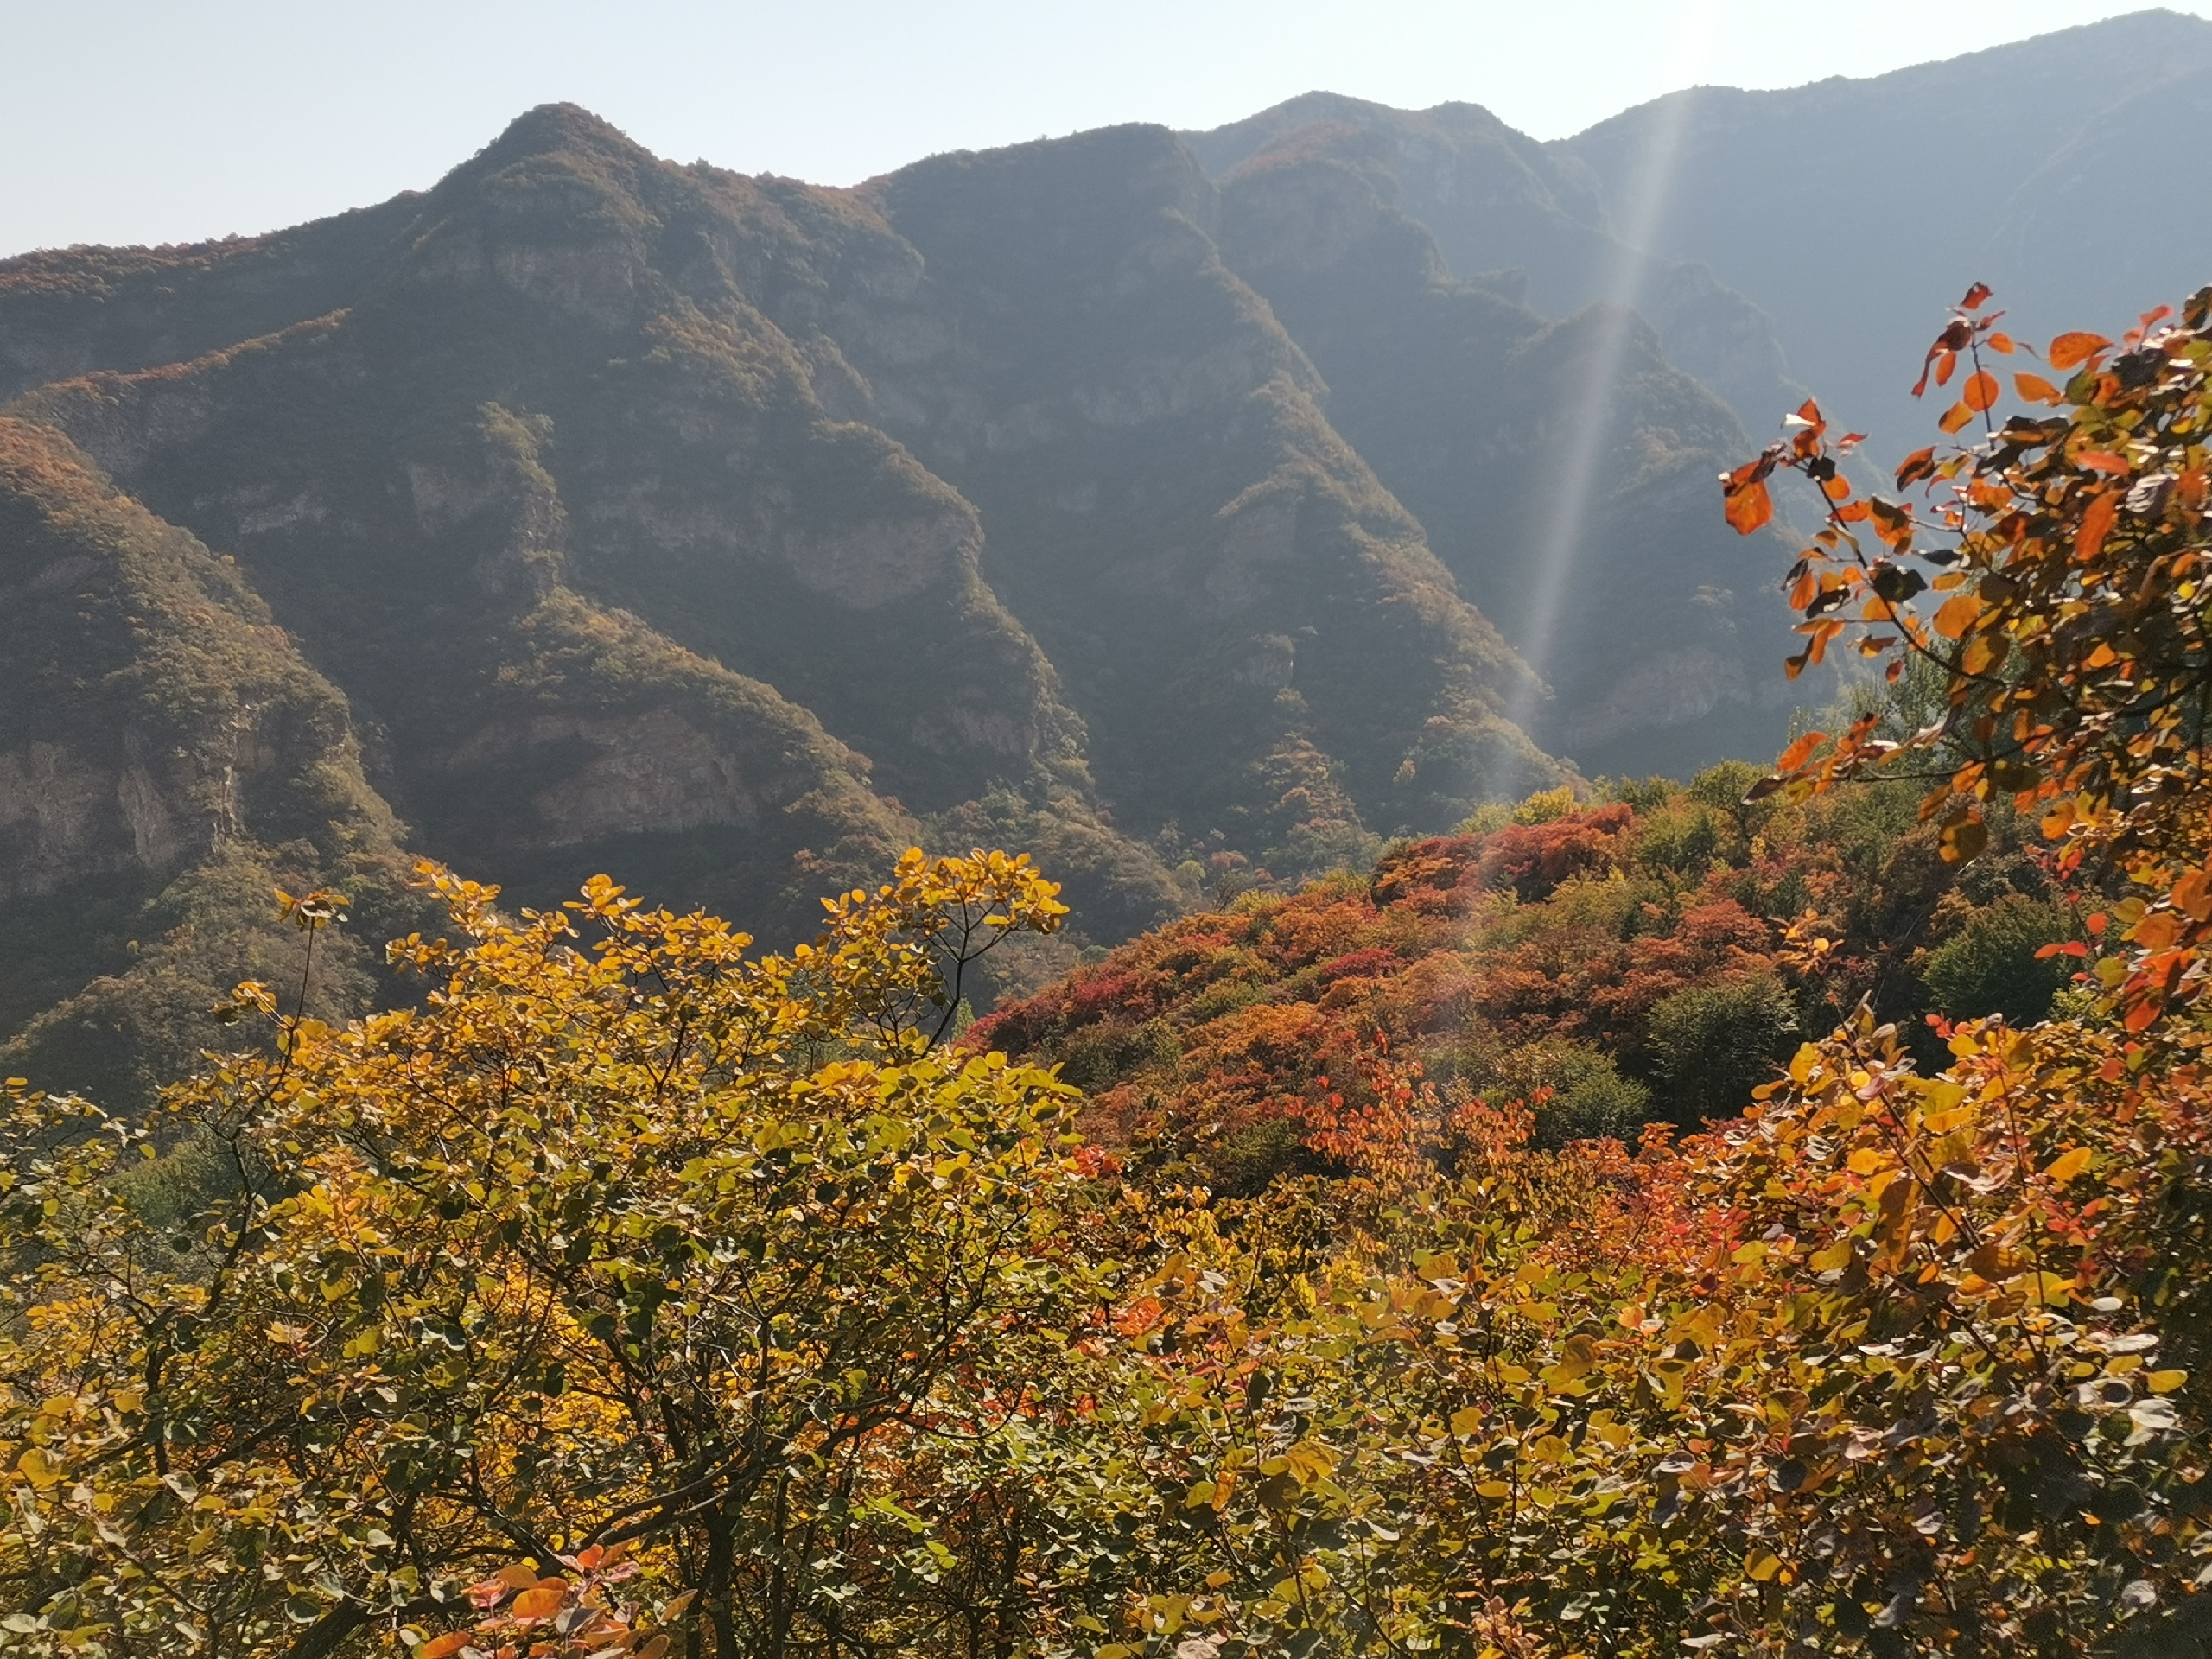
{"type": "Point", "coordinates": [633, 1286]}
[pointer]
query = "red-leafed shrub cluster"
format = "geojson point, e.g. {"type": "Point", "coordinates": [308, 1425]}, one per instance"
{"type": "Point", "coordinates": [1642, 957]}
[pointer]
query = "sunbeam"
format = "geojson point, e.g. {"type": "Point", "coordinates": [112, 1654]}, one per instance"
{"type": "Point", "coordinates": [1590, 404]}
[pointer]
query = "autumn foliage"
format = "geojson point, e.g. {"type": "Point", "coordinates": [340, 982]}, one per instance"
{"type": "Point", "coordinates": [1676, 1218]}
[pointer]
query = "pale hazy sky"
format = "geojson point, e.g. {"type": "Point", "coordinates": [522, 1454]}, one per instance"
{"type": "Point", "coordinates": [175, 120]}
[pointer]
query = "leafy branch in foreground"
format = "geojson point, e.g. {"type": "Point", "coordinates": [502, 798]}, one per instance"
{"type": "Point", "coordinates": [2065, 558]}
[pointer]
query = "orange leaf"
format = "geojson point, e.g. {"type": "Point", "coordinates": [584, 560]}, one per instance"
{"type": "Point", "coordinates": [2192, 894]}
{"type": "Point", "coordinates": [1945, 367]}
{"type": "Point", "coordinates": [439, 1646]}
{"type": "Point", "coordinates": [1920, 464]}
{"type": "Point", "coordinates": [1980, 391]}
{"type": "Point", "coordinates": [1749, 507]}
{"type": "Point", "coordinates": [2068, 1165]}
{"type": "Point", "coordinates": [1799, 752]}
{"type": "Point", "coordinates": [1975, 295]}
{"type": "Point", "coordinates": [1955, 416]}
{"type": "Point", "coordinates": [2001, 341]}
{"type": "Point", "coordinates": [2102, 460]}
{"type": "Point", "coordinates": [2097, 524]}
{"type": "Point", "coordinates": [1835, 488]}
{"type": "Point", "coordinates": [2070, 351]}
{"type": "Point", "coordinates": [2141, 1015]}
{"type": "Point", "coordinates": [2035, 388]}
{"type": "Point", "coordinates": [542, 1602]}
{"type": "Point", "coordinates": [1956, 614]}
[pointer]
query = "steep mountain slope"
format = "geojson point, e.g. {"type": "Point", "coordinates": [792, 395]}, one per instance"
{"type": "Point", "coordinates": [1564, 470]}
{"type": "Point", "coordinates": [1231, 597]}
{"type": "Point", "coordinates": [411, 530]}
{"type": "Point", "coordinates": [1529, 221]}
{"type": "Point", "coordinates": [75, 310]}
{"type": "Point", "coordinates": [1851, 211]}
{"type": "Point", "coordinates": [716, 532]}
{"type": "Point", "coordinates": [166, 759]}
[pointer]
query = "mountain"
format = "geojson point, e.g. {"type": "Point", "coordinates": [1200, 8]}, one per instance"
{"type": "Point", "coordinates": [1169, 505]}
{"type": "Point", "coordinates": [1810, 238]}
{"type": "Point", "coordinates": [1530, 221]}
{"type": "Point", "coordinates": [1563, 469]}
{"type": "Point", "coordinates": [726, 534]}
{"type": "Point", "coordinates": [1851, 211]}
{"type": "Point", "coordinates": [167, 757]}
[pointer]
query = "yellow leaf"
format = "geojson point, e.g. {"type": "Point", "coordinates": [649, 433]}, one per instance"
{"type": "Point", "coordinates": [2165, 1381]}
{"type": "Point", "coordinates": [40, 1470]}
{"type": "Point", "coordinates": [439, 1646]}
{"type": "Point", "coordinates": [2066, 1168]}
{"type": "Point", "coordinates": [1762, 1566]}
{"type": "Point", "coordinates": [2049, 1289]}
{"type": "Point", "coordinates": [1866, 1160]}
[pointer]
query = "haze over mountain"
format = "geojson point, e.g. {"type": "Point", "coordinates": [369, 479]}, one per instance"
{"type": "Point", "coordinates": [1134, 499]}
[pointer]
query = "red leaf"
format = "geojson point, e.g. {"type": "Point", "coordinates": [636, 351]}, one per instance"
{"type": "Point", "coordinates": [2071, 948]}
{"type": "Point", "coordinates": [2068, 351]}
{"type": "Point", "coordinates": [1975, 295]}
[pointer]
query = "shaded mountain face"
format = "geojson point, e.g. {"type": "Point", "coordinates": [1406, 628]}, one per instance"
{"type": "Point", "coordinates": [167, 757]}
{"type": "Point", "coordinates": [723, 534]}
{"type": "Point", "coordinates": [1563, 469]}
{"type": "Point", "coordinates": [1851, 211]}
{"type": "Point", "coordinates": [1534, 223]}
